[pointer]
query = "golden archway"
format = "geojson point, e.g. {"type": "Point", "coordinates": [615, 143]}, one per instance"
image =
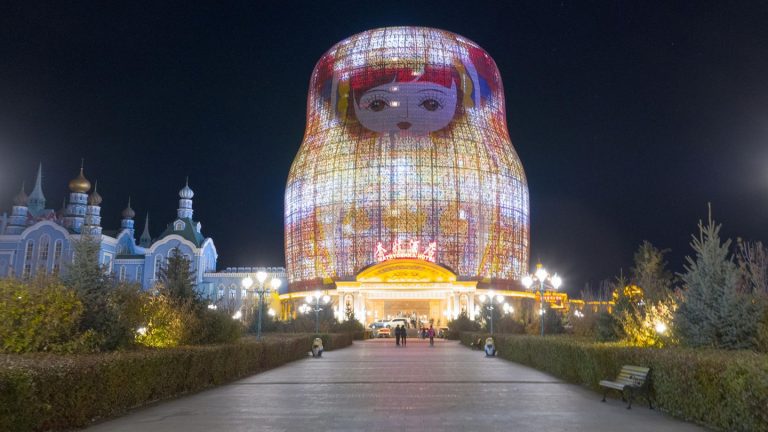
{"type": "Point", "coordinates": [406, 270]}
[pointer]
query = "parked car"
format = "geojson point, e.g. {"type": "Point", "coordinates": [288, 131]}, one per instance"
{"type": "Point", "coordinates": [442, 332]}
{"type": "Point", "coordinates": [378, 324]}
{"type": "Point", "coordinates": [383, 332]}
{"type": "Point", "coordinates": [394, 322]}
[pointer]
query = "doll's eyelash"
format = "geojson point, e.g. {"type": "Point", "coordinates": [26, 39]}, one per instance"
{"type": "Point", "coordinates": [370, 99]}
{"type": "Point", "coordinates": [433, 97]}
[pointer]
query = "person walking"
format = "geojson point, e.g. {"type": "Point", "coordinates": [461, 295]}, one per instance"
{"type": "Point", "coordinates": [431, 334]}
{"type": "Point", "coordinates": [397, 335]}
{"type": "Point", "coordinates": [403, 335]}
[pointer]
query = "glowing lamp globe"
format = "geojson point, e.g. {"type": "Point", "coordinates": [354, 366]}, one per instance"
{"type": "Point", "coordinates": [261, 277]}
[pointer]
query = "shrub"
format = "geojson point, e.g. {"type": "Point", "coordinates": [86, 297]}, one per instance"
{"type": "Point", "coordinates": [350, 325]}
{"type": "Point", "coordinates": [217, 326]}
{"type": "Point", "coordinates": [725, 390]}
{"type": "Point", "coordinates": [166, 324]}
{"type": "Point", "coordinates": [41, 315]}
{"type": "Point", "coordinates": [44, 392]}
{"type": "Point", "coordinates": [510, 325]}
{"type": "Point", "coordinates": [461, 324]}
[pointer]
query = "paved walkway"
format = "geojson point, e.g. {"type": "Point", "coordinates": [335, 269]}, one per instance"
{"type": "Point", "coordinates": [375, 386]}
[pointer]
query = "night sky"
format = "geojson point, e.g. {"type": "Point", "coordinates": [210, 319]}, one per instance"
{"type": "Point", "coordinates": [628, 117]}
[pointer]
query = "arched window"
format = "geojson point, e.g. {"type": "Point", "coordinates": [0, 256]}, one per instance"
{"type": "Point", "coordinates": [158, 265]}
{"type": "Point", "coordinates": [178, 225]}
{"type": "Point", "coordinates": [221, 292]}
{"type": "Point", "coordinates": [139, 273]}
{"type": "Point", "coordinates": [27, 271]}
{"type": "Point", "coordinates": [43, 249]}
{"type": "Point", "coordinates": [57, 248]}
{"type": "Point", "coordinates": [122, 273]}
{"type": "Point", "coordinates": [232, 292]}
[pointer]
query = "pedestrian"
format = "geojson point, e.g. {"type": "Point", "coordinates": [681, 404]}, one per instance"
{"type": "Point", "coordinates": [397, 335]}
{"type": "Point", "coordinates": [403, 335]}
{"type": "Point", "coordinates": [431, 334]}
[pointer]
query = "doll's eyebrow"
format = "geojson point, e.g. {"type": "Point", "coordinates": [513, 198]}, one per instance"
{"type": "Point", "coordinates": [431, 90]}
{"type": "Point", "coordinates": [379, 90]}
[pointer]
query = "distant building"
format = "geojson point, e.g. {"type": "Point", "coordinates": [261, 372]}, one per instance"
{"type": "Point", "coordinates": [34, 240]}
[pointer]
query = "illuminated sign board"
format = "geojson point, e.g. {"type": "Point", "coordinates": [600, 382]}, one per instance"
{"type": "Point", "coordinates": [405, 249]}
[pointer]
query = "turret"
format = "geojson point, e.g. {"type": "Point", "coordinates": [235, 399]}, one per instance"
{"type": "Point", "coordinates": [126, 224]}
{"type": "Point", "coordinates": [18, 220]}
{"type": "Point", "coordinates": [92, 220]}
{"type": "Point", "coordinates": [36, 202]}
{"type": "Point", "coordinates": [185, 202]}
{"type": "Point", "coordinates": [78, 200]}
{"type": "Point", "coordinates": [145, 240]}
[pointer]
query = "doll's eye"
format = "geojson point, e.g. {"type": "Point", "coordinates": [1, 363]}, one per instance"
{"type": "Point", "coordinates": [377, 105]}
{"type": "Point", "coordinates": [430, 105]}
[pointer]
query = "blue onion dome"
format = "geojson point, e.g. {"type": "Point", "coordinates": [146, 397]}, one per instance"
{"type": "Point", "coordinates": [94, 199]}
{"type": "Point", "coordinates": [186, 192]}
{"type": "Point", "coordinates": [80, 184]}
{"type": "Point", "coordinates": [128, 212]}
{"type": "Point", "coordinates": [21, 198]}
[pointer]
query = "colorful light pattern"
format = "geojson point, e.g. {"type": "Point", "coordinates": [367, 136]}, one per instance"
{"type": "Point", "coordinates": [406, 140]}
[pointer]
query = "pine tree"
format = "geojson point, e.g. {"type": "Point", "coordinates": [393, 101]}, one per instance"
{"type": "Point", "coordinates": [177, 278]}
{"type": "Point", "coordinates": [91, 282]}
{"type": "Point", "coordinates": [650, 273]}
{"type": "Point", "coordinates": [714, 311]}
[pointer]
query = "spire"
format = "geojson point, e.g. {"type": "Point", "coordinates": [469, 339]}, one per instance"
{"type": "Point", "coordinates": [36, 198]}
{"type": "Point", "coordinates": [145, 240]}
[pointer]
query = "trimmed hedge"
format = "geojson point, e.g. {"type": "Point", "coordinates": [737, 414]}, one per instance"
{"type": "Point", "coordinates": [43, 392]}
{"type": "Point", "coordinates": [727, 390]}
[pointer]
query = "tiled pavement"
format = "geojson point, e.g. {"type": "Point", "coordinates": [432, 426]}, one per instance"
{"type": "Point", "coordinates": [376, 386]}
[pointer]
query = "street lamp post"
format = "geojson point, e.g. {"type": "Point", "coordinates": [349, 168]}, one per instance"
{"type": "Point", "coordinates": [490, 298]}
{"type": "Point", "coordinates": [262, 290]}
{"type": "Point", "coordinates": [541, 275]}
{"type": "Point", "coordinates": [317, 298]}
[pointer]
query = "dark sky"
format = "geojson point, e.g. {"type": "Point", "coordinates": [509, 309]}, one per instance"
{"type": "Point", "coordinates": [628, 116]}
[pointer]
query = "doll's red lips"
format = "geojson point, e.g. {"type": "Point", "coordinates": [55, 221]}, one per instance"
{"type": "Point", "coordinates": [404, 125]}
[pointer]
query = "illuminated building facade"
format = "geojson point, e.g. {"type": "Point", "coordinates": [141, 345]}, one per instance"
{"type": "Point", "coordinates": [35, 240]}
{"type": "Point", "coordinates": [406, 187]}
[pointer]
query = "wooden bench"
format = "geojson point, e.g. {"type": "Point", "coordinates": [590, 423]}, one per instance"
{"type": "Point", "coordinates": [634, 380]}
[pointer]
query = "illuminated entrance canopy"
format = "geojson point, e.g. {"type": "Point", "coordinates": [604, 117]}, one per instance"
{"type": "Point", "coordinates": [407, 249]}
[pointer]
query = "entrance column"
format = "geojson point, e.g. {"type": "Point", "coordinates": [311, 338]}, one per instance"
{"type": "Point", "coordinates": [471, 307]}
{"type": "Point", "coordinates": [341, 307]}
{"type": "Point", "coordinates": [359, 303]}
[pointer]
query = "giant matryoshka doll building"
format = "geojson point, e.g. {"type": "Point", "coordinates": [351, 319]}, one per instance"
{"type": "Point", "coordinates": [406, 197]}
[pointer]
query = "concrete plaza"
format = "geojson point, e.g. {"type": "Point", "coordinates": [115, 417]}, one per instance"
{"type": "Point", "coordinates": [376, 386]}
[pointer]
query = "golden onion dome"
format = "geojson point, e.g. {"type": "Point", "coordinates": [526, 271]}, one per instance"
{"type": "Point", "coordinates": [80, 184]}
{"type": "Point", "coordinates": [21, 198]}
{"type": "Point", "coordinates": [94, 199]}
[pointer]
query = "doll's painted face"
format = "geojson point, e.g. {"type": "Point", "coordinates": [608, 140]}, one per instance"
{"type": "Point", "coordinates": [414, 108]}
